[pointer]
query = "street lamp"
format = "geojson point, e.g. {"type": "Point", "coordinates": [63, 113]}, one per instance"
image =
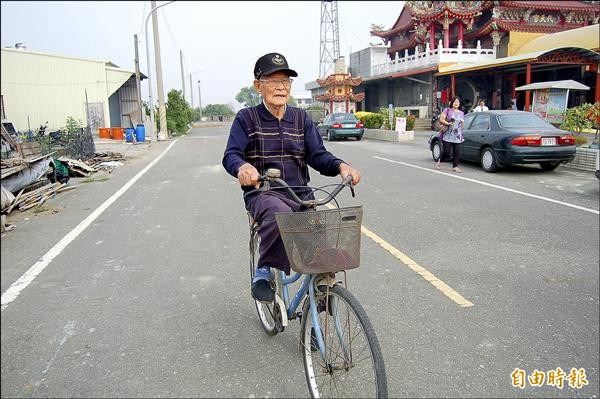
{"type": "Point", "coordinates": [200, 100]}
{"type": "Point", "coordinates": [192, 87]}
{"type": "Point", "coordinates": [152, 127]}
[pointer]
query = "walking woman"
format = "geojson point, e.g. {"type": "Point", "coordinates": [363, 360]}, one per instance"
{"type": "Point", "coordinates": [451, 139]}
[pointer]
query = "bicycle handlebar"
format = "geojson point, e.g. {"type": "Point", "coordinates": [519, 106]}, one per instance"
{"type": "Point", "coordinates": [273, 176]}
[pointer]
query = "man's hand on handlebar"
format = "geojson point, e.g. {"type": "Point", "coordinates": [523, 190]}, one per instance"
{"type": "Point", "coordinates": [346, 170]}
{"type": "Point", "coordinates": [248, 175]}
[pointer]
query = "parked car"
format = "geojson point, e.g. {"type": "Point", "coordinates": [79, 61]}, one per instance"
{"type": "Point", "coordinates": [338, 125]}
{"type": "Point", "coordinates": [500, 138]}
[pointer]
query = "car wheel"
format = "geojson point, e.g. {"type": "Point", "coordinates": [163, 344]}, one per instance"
{"type": "Point", "coordinates": [358, 138]}
{"type": "Point", "coordinates": [489, 160]}
{"type": "Point", "coordinates": [549, 165]}
{"type": "Point", "coordinates": [436, 150]}
{"type": "Point", "coordinates": [330, 135]}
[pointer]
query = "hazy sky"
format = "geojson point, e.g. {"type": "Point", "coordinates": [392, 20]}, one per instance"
{"type": "Point", "coordinates": [223, 39]}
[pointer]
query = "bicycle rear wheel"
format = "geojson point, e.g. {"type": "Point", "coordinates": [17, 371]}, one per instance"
{"type": "Point", "coordinates": [353, 364]}
{"type": "Point", "coordinates": [266, 311]}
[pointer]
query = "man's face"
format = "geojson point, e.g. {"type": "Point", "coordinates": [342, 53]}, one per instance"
{"type": "Point", "coordinates": [275, 88]}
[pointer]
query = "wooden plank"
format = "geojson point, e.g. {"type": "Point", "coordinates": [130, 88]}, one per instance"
{"type": "Point", "coordinates": [27, 145]}
{"type": "Point", "coordinates": [16, 200]}
{"type": "Point", "coordinates": [60, 190]}
{"type": "Point", "coordinates": [10, 171]}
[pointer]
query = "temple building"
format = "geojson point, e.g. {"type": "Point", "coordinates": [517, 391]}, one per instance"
{"type": "Point", "coordinates": [339, 95]}
{"type": "Point", "coordinates": [478, 49]}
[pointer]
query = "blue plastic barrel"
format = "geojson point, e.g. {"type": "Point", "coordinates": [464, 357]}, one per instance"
{"type": "Point", "coordinates": [129, 132]}
{"type": "Point", "coordinates": [140, 133]}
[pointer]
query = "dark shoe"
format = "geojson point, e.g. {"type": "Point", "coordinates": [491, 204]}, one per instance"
{"type": "Point", "coordinates": [262, 286]}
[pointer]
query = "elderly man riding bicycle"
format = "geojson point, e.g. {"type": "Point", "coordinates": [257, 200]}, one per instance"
{"type": "Point", "coordinates": [276, 135]}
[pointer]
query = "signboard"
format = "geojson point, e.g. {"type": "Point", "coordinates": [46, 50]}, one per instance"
{"type": "Point", "coordinates": [401, 125]}
{"type": "Point", "coordinates": [550, 104]}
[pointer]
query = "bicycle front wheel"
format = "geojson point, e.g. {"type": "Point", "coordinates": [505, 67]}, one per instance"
{"type": "Point", "coordinates": [353, 364]}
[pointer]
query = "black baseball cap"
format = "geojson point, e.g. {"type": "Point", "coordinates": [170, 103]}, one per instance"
{"type": "Point", "coordinates": [272, 62]}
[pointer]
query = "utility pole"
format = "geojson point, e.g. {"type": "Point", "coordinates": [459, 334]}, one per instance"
{"type": "Point", "coordinates": [137, 80]}
{"type": "Point", "coordinates": [200, 99]}
{"type": "Point", "coordinates": [191, 91]}
{"type": "Point", "coordinates": [162, 110]}
{"type": "Point", "coordinates": [152, 125]}
{"type": "Point", "coordinates": [192, 87]}
{"type": "Point", "coordinates": [182, 75]}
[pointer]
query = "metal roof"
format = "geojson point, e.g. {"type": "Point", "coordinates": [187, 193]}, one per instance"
{"type": "Point", "coordinates": [555, 84]}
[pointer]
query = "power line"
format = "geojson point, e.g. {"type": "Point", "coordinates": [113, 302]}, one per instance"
{"type": "Point", "coordinates": [349, 26]}
{"type": "Point", "coordinates": [143, 17]}
{"type": "Point", "coordinates": [169, 29]}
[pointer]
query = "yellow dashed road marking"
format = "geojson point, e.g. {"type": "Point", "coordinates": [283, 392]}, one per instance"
{"type": "Point", "coordinates": [414, 266]}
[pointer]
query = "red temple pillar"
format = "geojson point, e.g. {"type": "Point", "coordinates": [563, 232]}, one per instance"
{"type": "Point", "coordinates": [446, 36]}
{"type": "Point", "coordinates": [460, 33]}
{"type": "Point", "coordinates": [452, 86]}
{"type": "Point", "coordinates": [432, 36]}
{"type": "Point", "coordinates": [597, 92]}
{"type": "Point", "coordinates": [527, 81]}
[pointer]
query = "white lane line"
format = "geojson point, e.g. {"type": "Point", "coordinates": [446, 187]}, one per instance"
{"type": "Point", "coordinates": [594, 211]}
{"type": "Point", "coordinates": [15, 289]}
{"type": "Point", "coordinates": [414, 266]}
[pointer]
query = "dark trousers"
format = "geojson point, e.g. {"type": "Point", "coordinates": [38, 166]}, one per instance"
{"type": "Point", "coordinates": [262, 208]}
{"type": "Point", "coordinates": [450, 147]}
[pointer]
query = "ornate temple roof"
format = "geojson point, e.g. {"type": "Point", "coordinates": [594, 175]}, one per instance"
{"type": "Point", "coordinates": [347, 81]}
{"type": "Point", "coordinates": [336, 98]}
{"type": "Point", "coordinates": [410, 28]}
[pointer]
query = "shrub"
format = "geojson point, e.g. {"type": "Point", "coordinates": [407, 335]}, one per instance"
{"type": "Point", "coordinates": [398, 113]}
{"type": "Point", "coordinates": [410, 122]}
{"type": "Point", "coordinates": [371, 120]}
{"type": "Point", "coordinates": [577, 119]}
{"type": "Point", "coordinates": [580, 140]}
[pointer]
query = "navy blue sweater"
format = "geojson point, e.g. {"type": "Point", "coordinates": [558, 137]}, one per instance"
{"type": "Point", "coordinates": [259, 138]}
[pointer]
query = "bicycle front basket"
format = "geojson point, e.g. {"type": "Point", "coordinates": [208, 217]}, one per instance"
{"type": "Point", "coordinates": [323, 241]}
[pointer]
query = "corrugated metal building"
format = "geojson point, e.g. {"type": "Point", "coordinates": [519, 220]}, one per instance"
{"type": "Point", "coordinates": [38, 87]}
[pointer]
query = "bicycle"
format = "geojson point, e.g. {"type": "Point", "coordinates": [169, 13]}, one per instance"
{"type": "Point", "coordinates": [342, 356]}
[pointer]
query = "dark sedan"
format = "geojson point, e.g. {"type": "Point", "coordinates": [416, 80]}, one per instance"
{"type": "Point", "coordinates": [338, 125]}
{"type": "Point", "coordinates": [501, 138]}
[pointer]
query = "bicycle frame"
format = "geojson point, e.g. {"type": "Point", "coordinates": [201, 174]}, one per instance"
{"type": "Point", "coordinates": [288, 308]}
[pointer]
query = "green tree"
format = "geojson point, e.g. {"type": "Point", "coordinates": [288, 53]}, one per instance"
{"type": "Point", "coordinates": [179, 113]}
{"type": "Point", "coordinates": [248, 96]}
{"type": "Point", "coordinates": [217, 110]}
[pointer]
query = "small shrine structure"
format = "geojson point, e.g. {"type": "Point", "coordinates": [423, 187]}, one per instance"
{"type": "Point", "coordinates": [339, 95]}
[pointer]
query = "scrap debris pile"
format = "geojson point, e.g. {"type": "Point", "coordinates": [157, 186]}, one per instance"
{"type": "Point", "coordinates": [29, 178]}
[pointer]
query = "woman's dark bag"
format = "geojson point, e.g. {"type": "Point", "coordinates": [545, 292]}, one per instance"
{"type": "Point", "coordinates": [439, 127]}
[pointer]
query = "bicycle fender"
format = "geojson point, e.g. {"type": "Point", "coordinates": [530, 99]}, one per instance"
{"type": "Point", "coordinates": [327, 280]}
{"type": "Point", "coordinates": [282, 310]}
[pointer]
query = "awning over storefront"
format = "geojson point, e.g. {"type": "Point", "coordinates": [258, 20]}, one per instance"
{"type": "Point", "coordinates": [586, 37]}
{"type": "Point", "coordinates": [556, 84]}
{"type": "Point", "coordinates": [576, 54]}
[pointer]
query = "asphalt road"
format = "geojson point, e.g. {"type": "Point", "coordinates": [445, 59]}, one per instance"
{"type": "Point", "coordinates": [147, 292]}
